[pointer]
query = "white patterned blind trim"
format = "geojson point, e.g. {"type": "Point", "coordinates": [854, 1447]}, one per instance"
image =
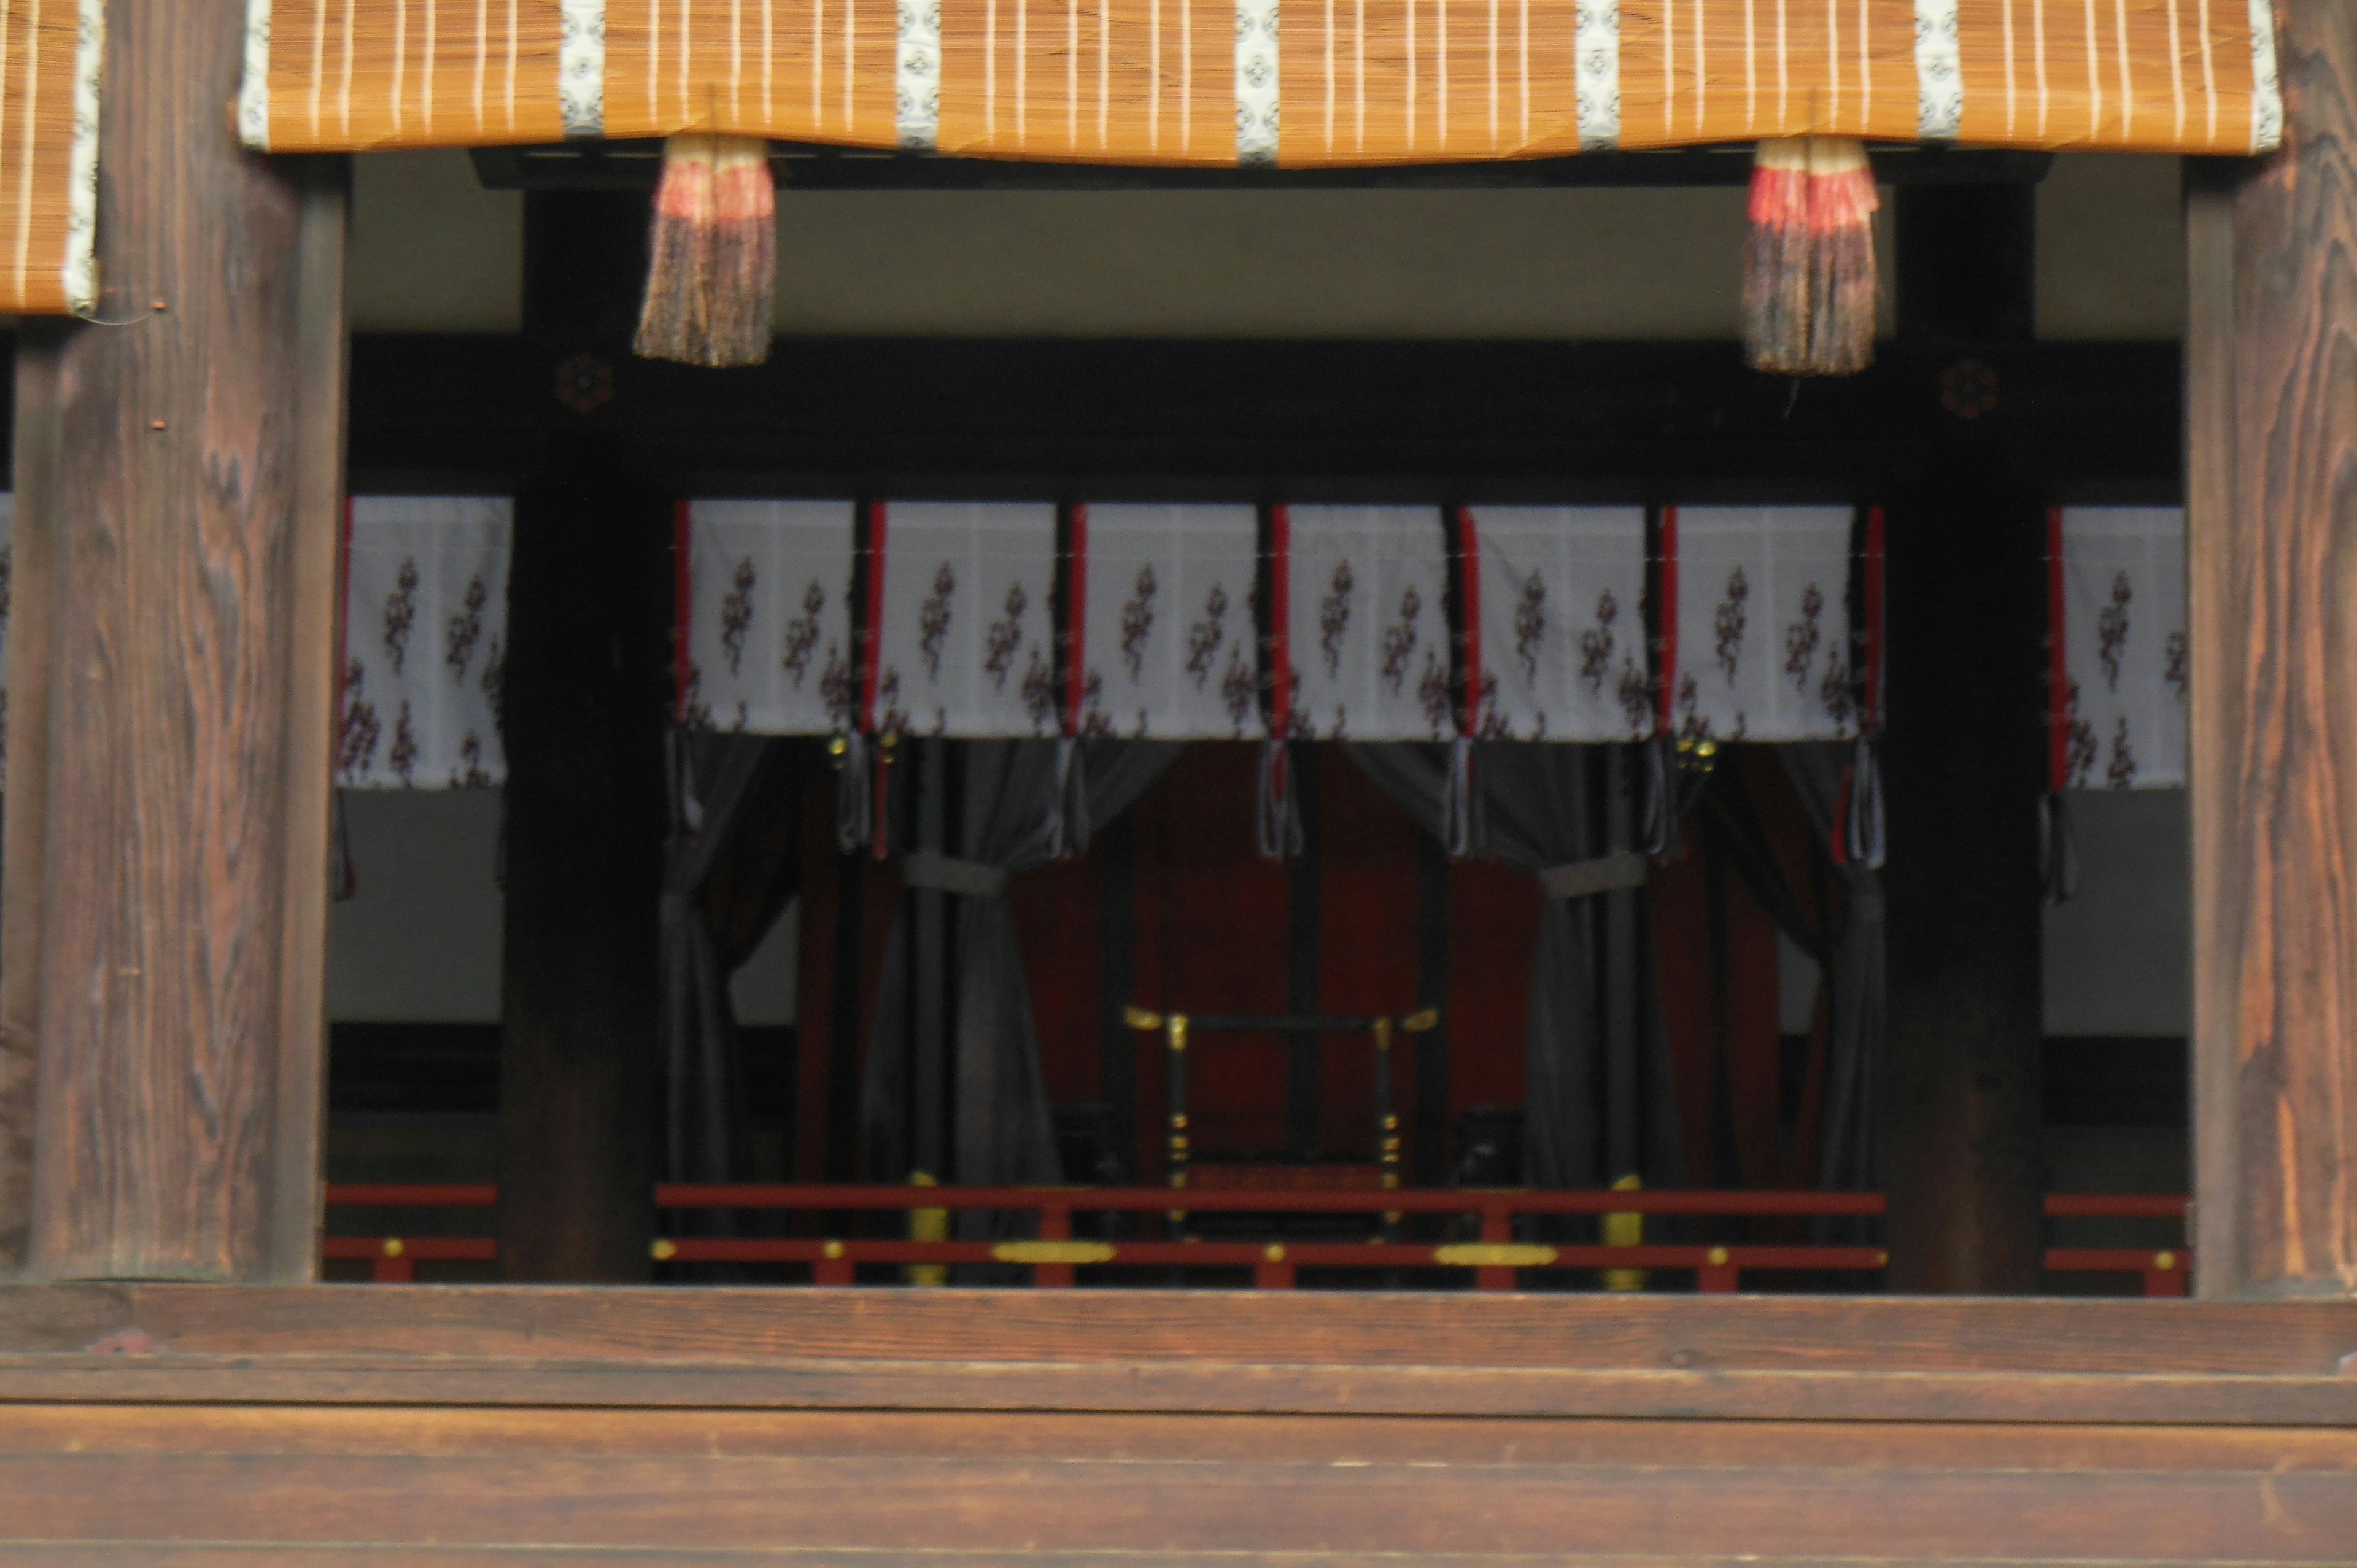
{"type": "Point", "coordinates": [917, 74]}
{"type": "Point", "coordinates": [1939, 73]}
{"type": "Point", "coordinates": [1256, 82]}
{"type": "Point", "coordinates": [581, 69]}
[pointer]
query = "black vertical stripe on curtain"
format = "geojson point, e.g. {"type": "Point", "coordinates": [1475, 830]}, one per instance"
{"type": "Point", "coordinates": [1014, 818]}
{"type": "Point", "coordinates": [732, 866]}
{"type": "Point", "coordinates": [1591, 1102]}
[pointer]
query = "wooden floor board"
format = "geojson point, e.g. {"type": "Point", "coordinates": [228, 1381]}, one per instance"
{"type": "Point", "coordinates": [186, 1425]}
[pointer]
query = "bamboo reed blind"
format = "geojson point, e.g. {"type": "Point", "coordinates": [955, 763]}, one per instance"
{"type": "Point", "coordinates": [1219, 81]}
{"type": "Point", "coordinates": [49, 154]}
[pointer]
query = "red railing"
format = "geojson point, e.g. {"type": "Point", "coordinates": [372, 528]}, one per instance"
{"type": "Point", "coordinates": [1053, 1255]}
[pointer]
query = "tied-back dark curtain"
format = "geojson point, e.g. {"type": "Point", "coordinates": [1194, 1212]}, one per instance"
{"type": "Point", "coordinates": [731, 868]}
{"type": "Point", "coordinates": [1602, 1096]}
{"type": "Point", "coordinates": [1852, 1156]}
{"type": "Point", "coordinates": [1019, 812]}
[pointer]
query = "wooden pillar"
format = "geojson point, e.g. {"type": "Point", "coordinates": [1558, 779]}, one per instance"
{"type": "Point", "coordinates": [173, 653]}
{"type": "Point", "coordinates": [587, 693]}
{"type": "Point", "coordinates": [2271, 460]}
{"type": "Point", "coordinates": [1963, 764]}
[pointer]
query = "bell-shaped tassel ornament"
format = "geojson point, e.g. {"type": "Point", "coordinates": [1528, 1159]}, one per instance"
{"type": "Point", "coordinates": [1809, 289]}
{"type": "Point", "coordinates": [712, 270]}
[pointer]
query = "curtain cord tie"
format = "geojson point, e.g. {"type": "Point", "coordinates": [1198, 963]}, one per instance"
{"type": "Point", "coordinates": [948, 874]}
{"type": "Point", "coordinates": [1582, 878]}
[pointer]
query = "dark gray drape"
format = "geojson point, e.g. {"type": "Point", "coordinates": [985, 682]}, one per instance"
{"type": "Point", "coordinates": [1852, 1157]}
{"type": "Point", "coordinates": [1602, 1097]}
{"type": "Point", "coordinates": [1018, 811]}
{"type": "Point", "coordinates": [728, 873]}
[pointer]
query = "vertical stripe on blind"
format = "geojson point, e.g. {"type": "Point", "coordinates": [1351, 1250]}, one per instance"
{"type": "Point", "coordinates": [581, 68]}
{"type": "Point", "coordinates": [1939, 76]}
{"type": "Point", "coordinates": [2266, 92]}
{"type": "Point", "coordinates": [1597, 74]}
{"type": "Point", "coordinates": [1256, 82]}
{"type": "Point", "coordinates": [917, 74]}
{"type": "Point", "coordinates": [1369, 81]}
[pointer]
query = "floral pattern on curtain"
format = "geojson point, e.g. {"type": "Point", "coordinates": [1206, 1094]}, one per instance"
{"type": "Point", "coordinates": [1760, 648]}
{"type": "Point", "coordinates": [1366, 634]}
{"type": "Point", "coordinates": [966, 642]}
{"type": "Point", "coordinates": [425, 613]}
{"type": "Point", "coordinates": [1561, 622]}
{"type": "Point", "coordinates": [1169, 646]}
{"type": "Point", "coordinates": [767, 645]}
{"type": "Point", "coordinates": [2120, 651]}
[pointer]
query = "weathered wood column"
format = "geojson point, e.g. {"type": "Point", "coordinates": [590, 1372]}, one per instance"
{"type": "Point", "coordinates": [1964, 762]}
{"type": "Point", "coordinates": [587, 692]}
{"type": "Point", "coordinates": [178, 489]}
{"type": "Point", "coordinates": [2271, 490]}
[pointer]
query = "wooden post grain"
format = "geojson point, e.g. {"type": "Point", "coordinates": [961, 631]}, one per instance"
{"type": "Point", "coordinates": [589, 686]}
{"type": "Point", "coordinates": [164, 941]}
{"type": "Point", "coordinates": [2271, 444]}
{"type": "Point", "coordinates": [1964, 764]}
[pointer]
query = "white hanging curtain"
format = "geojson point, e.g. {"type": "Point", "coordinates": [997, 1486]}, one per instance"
{"type": "Point", "coordinates": [768, 635]}
{"type": "Point", "coordinates": [2116, 589]}
{"type": "Point", "coordinates": [1364, 643]}
{"type": "Point", "coordinates": [1558, 617]}
{"type": "Point", "coordinates": [426, 614]}
{"type": "Point", "coordinates": [1759, 646]}
{"type": "Point", "coordinates": [1169, 647]}
{"type": "Point", "coordinates": [966, 640]}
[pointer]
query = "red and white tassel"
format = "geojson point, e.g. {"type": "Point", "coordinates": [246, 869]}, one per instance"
{"type": "Point", "coordinates": [712, 270]}
{"type": "Point", "coordinates": [1809, 287]}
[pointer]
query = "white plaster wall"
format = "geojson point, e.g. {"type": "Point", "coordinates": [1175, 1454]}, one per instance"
{"type": "Point", "coordinates": [420, 941]}
{"type": "Point", "coordinates": [2110, 247]}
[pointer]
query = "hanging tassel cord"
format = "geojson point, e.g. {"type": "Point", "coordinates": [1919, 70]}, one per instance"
{"type": "Point", "coordinates": [713, 255]}
{"type": "Point", "coordinates": [1069, 828]}
{"type": "Point", "coordinates": [2057, 848]}
{"type": "Point", "coordinates": [1810, 282]}
{"type": "Point", "coordinates": [1276, 816]}
{"type": "Point", "coordinates": [1461, 802]}
{"type": "Point", "coordinates": [1865, 834]}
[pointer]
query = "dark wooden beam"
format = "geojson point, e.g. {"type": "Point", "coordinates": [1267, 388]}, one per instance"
{"type": "Point", "coordinates": [1965, 765]}
{"type": "Point", "coordinates": [636, 166]}
{"type": "Point", "coordinates": [1174, 418]}
{"type": "Point", "coordinates": [587, 692]}
{"type": "Point", "coordinates": [2271, 459]}
{"type": "Point", "coordinates": [182, 522]}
